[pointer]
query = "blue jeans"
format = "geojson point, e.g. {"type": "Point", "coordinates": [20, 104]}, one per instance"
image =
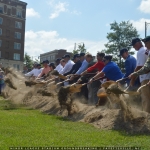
{"type": "Point", "coordinates": [1, 87]}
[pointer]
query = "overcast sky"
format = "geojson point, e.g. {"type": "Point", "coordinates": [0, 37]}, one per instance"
{"type": "Point", "coordinates": [58, 24]}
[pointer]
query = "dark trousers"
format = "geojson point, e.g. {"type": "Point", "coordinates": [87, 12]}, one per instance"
{"type": "Point", "coordinates": [1, 88]}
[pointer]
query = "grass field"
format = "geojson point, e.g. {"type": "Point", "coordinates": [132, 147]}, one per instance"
{"type": "Point", "coordinates": [27, 127]}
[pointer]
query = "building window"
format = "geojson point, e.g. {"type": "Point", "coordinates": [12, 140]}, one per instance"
{"type": "Point", "coordinates": [17, 35]}
{"type": "Point", "coordinates": [8, 11]}
{"type": "Point", "coordinates": [0, 43]}
{"type": "Point", "coordinates": [16, 56]}
{"type": "Point", "coordinates": [18, 25]}
{"type": "Point", "coordinates": [8, 22]}
{"type": "Point", "coordinates": [17, 46]}
{"type": "Point", "coordinates": [1, 20]}
{"type": "Point", "coordinates": [53, 57]}
{"type": "Point", "coordinates": [16, 66]}
{"type": "Point", "coordinates": [7, 33]}
{"type": "Point", "coordinates": [0, 31]}
{"type": "Point", "coordinates": [1, 9]}
{"type": "Point", "coordinates": [7, 44]}
{"type": "Point", "coordinates": [7, 55]}
{"type": "Point", "coordinates": [19, 14]}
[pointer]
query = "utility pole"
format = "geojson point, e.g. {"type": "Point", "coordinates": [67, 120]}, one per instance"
{"type": "Point", "coordinates": [146, 26]}
{"type": "Point", "coordinates": [74, 46]}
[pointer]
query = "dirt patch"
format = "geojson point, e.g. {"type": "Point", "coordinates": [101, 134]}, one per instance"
{"type": "Point", "coordinates": [9, 81]}
{"type": "Point", "coordinates": [127, 116]}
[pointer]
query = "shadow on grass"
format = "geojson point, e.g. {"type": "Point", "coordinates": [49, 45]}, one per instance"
{"type": "Point", "coordinates": [7, 105]}
{"type": "Point", "coordinates": [129, 134]}
{"type": "Point", "coordinates": [135, 127]}
{"type": "Point", "coordinates": [63, 119]}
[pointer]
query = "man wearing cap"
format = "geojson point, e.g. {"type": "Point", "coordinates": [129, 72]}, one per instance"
{"type": "Point", "coordinates": [46, 68]}
{"type": "Point", "coordinates": [63, 63]}
{"type": "Point", "coordinates": [97, 66]}
{"type": "Point", "coordinates": [35, 71]}
{"type": "Point", "coordinates": [85, 63]}
{"type": "Point", "coordinates": [68, 66]}
{"type": "Point", "coordinates": [84, 66]}
{"type": "Point", "coordinates": [93, 87]}
{"type": "Point", "coordinates": [142, 56]}
{"type": "Point", "coordinates": [59, 67]}
{"type": "Point", "coordinates": [82, 57]}
{"type": "Point", "coordinates": [130, 64]}
{"type": "Point", "coordinates": [76, 66]}
{"type": "Point", "coordinates": [146, 67]}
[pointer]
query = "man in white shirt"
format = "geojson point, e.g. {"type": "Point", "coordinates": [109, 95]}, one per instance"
{"type": "Point", "coordinates": [142, 56]}
{"type": "Point", "coordinates": [59, 67]}
{"type": "Point", "coordinates": [68, 65]}
{"type": "Point", "coordinates": [35, 72]}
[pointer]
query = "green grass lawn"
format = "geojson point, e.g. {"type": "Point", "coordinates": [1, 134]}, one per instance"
{"type": "Point", "coordinates": [27, 127]}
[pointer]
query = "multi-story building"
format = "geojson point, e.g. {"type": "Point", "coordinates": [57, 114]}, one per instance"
{"type": "Point", "coordinates": [12, 33]}
{"type": "Point", "coordinates": [53, 55]}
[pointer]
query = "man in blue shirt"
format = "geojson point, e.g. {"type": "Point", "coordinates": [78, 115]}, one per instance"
{"type": "Point", "coordinates": [111, 70]}
{"type": "Point", "coordinates": [130, 65]}
{"type": "Point", "coordinates": [84, 66]}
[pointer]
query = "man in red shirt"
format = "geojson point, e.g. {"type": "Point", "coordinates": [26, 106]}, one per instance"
{"type": "Point", "coordinates": [94, 86]}
{"type": "Point", "coordinates": [45, 70]}
{"type": "Point", "coordinates": [98, 66]}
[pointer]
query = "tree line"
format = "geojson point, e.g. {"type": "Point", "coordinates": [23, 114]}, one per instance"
{"type": "Point", "coordinates": [119, 37]}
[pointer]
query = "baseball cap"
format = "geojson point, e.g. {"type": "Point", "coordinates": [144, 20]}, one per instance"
{"type": "Point", "coordinates": [146, 39]}
{"type": "Point", "coordinates": [134, 41]}
{"type": "Point", "coordinates": [82, 54]}
{"type": "Point", "coordinates": [58, 59]}
{"type": "Point", "coordinates": [38, 65]}
{"type": "Point", "coordinates": [122, 51]}
{"type": "Point", "coordinates": [45, 61]}
{"type": "Point", "coordinates": [67, 55]}
{"type": "Point", "coordinates": [75, 56]}
{"type": "Point", "coordinates": [52, 64]}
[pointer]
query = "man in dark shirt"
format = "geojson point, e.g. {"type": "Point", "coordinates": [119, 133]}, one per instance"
{"type": "Point", "coordinates": [76, 66]}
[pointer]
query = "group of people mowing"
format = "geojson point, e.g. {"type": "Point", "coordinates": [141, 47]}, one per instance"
{"type": "Point", "coordinates": [81, 68]}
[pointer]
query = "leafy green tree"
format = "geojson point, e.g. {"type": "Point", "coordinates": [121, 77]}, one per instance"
{"type": "Point", "coordinates": [75, 52]}
{"type": "Point", "coordinates": [80, 49]}
{"type": "Point", "coordinates": [28, 61]}
{"type": "Point", "coordinates": [36, 61]}
{"type": "Point", "coordinates": [120, 37]}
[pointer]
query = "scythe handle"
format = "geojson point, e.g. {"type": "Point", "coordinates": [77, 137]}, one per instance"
{"type": "Point", "coordinates": [122, 79]}
{"type": "Point", "coordinates": [93, 80]}
{"type": "Point", "coordinates": [142, 87]}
